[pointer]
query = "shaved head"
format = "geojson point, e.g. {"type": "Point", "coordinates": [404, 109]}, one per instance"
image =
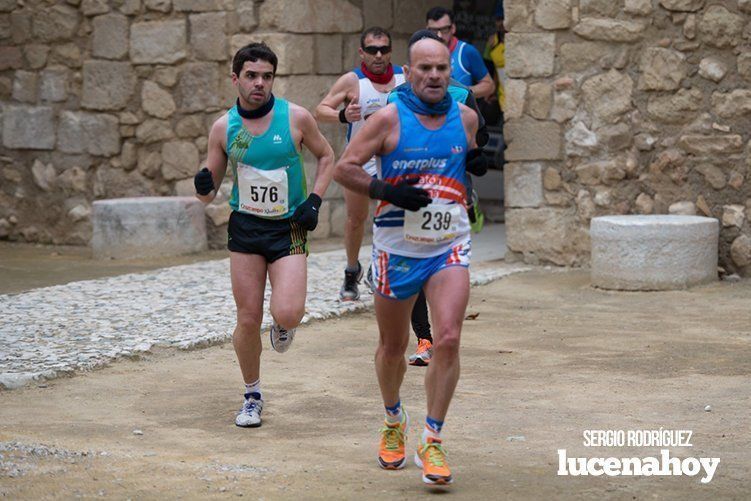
{"type": "Point", "coordinates": [429, 45]}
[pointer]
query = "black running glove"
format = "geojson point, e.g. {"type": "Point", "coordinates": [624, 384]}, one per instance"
{"type": "Point", "coordinates": [402, 195]}
{"type": "Point", "coordinates": [306, 214]}
{"type": "Point", "coordinates": [203, 182]}
{"type": "Point", "coordinates": [477, 163]}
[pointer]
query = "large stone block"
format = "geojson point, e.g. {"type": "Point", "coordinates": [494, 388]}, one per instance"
{"type": "Point", "coordinates": [553, 14]}
{"type": "Point", "coordinates": [732, 104]}
{"type": "Point", "coordinates": [328, 54]}
{"type": "Point", "coordinates": [662, 69]}
{"type": "Point", "coordinates": [145, 227]}
{"type": "Point", "coordinates": [202, 5]}
{"type": "Point", "coordinates": [307, 91]}
{"type": "Point", "coordinates": [158, 42]}
{"type": "Point", "coordinates": [29, 127]}
{"type": "Point", "coordinates": [198, 87]}
{"type": "Point", "coordinates": [523, 184]}
{"type": "Point", "coordinates": [638, 7]}
{"type": "Point", "coordinates": [11, 58]}
{"type": "Point", "coordinates": [604, 8]}
{"type": "Point", "coordinates": [655, 252]}
{"type": "Point", "coordinates": [680, 107]}
{"type": "Point", "coordinates": [53, 86]}
{"type": "Point", "coordinates": [682, 5]}
{"type": "Point", "coordinates": [610, 30]}
{"type": "Point", "coordinates": [25, 86]}
{"type": "Point", "coordinates": [702, 144]}
{"type": "Point", "coordinates": [319, 16]}
{"type": "Point", "coordinates": [93, 133]}
{"type": "Point", "coordinates": [530, 139]}
{"type": "Point", "coordinates": [107, 85]}
{"type": "Point", "coordinates": [110, 38]}
{"type": "Point", "coordinates": [94, 7]}
{"type": "Point", "coordinates": [207, 36]}
{"type": "Point", "coordinates": [295, 52]}
{"type": "Point", "coordinates": [530, 55]}
{"type": "Point", "coordinates": [57, 23]}
{"type": "Point", "coordinates": [156, 101]}
{"type": "Point", "coordinates": [180, 159]}
{"type": "Point", "coordinates": [721, 28]}
{"type": "Point", "coordinates": [580, 56]}
{"type": "Point", "coordinates": [515, 94]}
{"type": "Point", "coordinates": [548, 235]}
{"type": "Point", "coordinates": [607, 96]}
{"type": "Point", "coordinates": [378, 14]}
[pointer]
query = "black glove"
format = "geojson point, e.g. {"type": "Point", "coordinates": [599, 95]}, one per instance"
{"type": "Point", "coordinates": [402, 195]}
{"type": "Point", "coordinates": [306, 214]}
{"type": "Point", "coordinates": [203, 182]}
{"type": "Point", "coordinates": [477, 163]}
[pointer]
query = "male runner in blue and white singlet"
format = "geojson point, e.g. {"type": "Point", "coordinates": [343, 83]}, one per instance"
{"type": "Point", "coordinates": [362, 91]}
{"type": "Point", "coordinates": [421, 240]}
{"type": "Point", "coordinates": [261, 138]}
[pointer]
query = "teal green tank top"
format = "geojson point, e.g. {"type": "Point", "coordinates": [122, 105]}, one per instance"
{"type": "Point", "coordinates": [268, 169]}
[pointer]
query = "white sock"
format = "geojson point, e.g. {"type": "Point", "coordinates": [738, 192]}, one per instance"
{"type": "Point", "coordinates": [394, 414]}
{"type": "Point", "coordinates": [427, 431]}
{"type": "Point", "coordinates": [254, 387]}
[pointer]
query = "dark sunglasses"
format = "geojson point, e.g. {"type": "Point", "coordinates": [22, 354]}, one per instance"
{"type": "Point", "coordinates": [375, 49]}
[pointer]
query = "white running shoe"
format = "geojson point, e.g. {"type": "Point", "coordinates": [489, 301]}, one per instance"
{"type": "Point", "coordinates": [250, 413]}
{"type": "Point", "coordinates": [281, 339]}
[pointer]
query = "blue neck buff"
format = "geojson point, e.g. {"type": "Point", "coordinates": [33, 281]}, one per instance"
{"type": "Point", "coordinates": [419, 106]}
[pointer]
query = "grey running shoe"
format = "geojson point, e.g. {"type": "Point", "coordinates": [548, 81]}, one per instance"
{"type": "Point", "coordinates": [250, 413]}
{"type": "Point", "coordinates": [281, 339]}
{"type": "Point", "coordinates": [369, 279]}
{"type": "Point", "coordinates": [349, 290]}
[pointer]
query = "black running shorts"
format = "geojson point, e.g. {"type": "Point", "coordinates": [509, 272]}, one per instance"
{"type": "Point", "coordinates": [271, 238]}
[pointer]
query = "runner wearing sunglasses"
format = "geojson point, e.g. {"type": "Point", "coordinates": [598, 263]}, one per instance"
{"type": "Point", "coordinates": [354, 97]}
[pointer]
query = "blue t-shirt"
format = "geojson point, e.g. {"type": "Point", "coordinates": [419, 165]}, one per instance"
{"type": "Point", "coordinates": [467, 66]}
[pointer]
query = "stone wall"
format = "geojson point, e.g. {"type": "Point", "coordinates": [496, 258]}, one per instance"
{"type": "Point", "coordinates": [114, 98]}
{"type": "Point", "coordinates": [626, 107]}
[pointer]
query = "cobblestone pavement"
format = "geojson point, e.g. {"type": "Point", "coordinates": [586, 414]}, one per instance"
{"type": "Point", "coordinates": [48, 332]}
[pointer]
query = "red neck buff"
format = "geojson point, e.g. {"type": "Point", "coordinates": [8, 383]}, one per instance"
{"type": "Point", "coordinates": [452, 44]}
{"type": "Point", "coordinates": [383, 78]}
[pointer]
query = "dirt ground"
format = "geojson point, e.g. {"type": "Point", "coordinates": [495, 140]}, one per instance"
{"type": "Point", "coordinates": [546, 358]}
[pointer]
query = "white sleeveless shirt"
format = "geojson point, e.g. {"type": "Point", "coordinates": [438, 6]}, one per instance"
{"type": "Point", "coordinates": [371, 100]}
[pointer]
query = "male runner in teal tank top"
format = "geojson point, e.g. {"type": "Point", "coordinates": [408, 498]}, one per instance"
{"type": "Point", "coordinates": [261, 139]}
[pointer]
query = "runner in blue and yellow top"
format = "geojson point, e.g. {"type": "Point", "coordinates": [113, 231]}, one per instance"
{"type": "Point", "coordinates": [421, 240]}
{"type": "Point", "coordinates": [261, 138]}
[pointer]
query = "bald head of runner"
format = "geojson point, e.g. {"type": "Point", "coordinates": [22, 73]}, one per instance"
{"type": "Point", "coordinates": [428, 69]}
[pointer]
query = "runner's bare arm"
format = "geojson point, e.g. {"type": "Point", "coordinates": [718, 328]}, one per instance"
{"type": "Point", "coordinates": [312, 138]}
{"type": "Point", "coordinates": [484, 87]}
{"type": "Point", "coordinates": [379, 135]}
{"type": "Point", "coordinates": [470, 123]}
{"type": "Point", "coordinates": [217, 156]}
{"type": "Point", "coordinates": [345, 90]}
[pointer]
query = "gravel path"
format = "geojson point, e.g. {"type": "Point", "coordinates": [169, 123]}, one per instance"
{"type": "Point", "coordinates": [48, 332]}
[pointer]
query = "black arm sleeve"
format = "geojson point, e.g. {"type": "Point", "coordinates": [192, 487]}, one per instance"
{"type": "Point", "coordinates": [482, 131]}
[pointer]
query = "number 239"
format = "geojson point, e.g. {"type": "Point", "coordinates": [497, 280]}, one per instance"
{"type": "Point", "coordinates": [436, 221]}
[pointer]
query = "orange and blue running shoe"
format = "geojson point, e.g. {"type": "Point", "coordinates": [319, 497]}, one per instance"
{"type": "Point", "coordinates": [391, 452]}
{"type": "Point", "coordinates": [431, 458]}
{"type": "Point", "coordinates": [423, 354]}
